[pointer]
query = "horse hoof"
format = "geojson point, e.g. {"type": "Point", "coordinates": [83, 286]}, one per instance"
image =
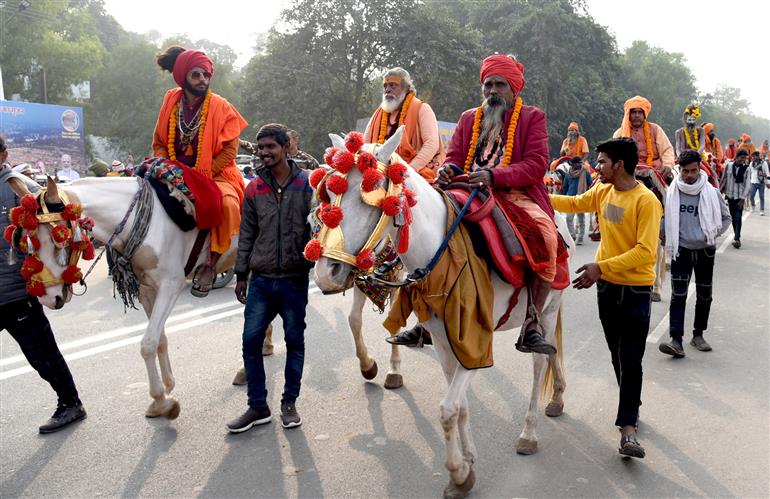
{"type": "Point", "coordinates": [554, 410]}
{"type": "Point", "coordinates": [267, 350]}
{"type": "Point", "coordinates": [526, 446]}
{"type": "Point", "coordinates": [240, 377]}
{"type": "Point", "coordinates": [173, 411]}
{"type": "Point", "coordinates": [152, 411]}
{"type": "Point", "coordinates": [393, 381]}
{"type": "Point", "coordinates": [454, 491]}
{"type": "Point", "coordinates": [370, 373]}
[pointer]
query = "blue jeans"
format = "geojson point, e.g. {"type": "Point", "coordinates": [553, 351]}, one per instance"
{"type": "Point", "coordinates": [760, 188]}
{"type": "Point", "coordinates": [701, 262]}
{"type": "Point", "coordinates": [624, 312]}
{"type": "Point", "coordinates": [267, 298]}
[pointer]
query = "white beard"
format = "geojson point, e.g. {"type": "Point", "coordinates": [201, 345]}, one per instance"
{"type": "Point", "coordinates": [492, 121]}
{"type": "Point", "coordinates": [391, 105]}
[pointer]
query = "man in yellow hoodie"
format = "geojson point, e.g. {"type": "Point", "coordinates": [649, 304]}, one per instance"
{"type": "Point", "coordinates": [629, 220]}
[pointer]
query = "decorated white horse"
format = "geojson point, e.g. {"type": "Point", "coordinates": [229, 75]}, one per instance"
{"type": "Point", "coordinates": [118, 207]}
{"type": "Point", "coordinates": [363, 224]}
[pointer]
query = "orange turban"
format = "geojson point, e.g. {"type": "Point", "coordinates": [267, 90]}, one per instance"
{"type": "Point", "coordinates": [708, 128]}
{"type": "Point", "coordinates": [745, 137]}
{"type": "Point", "coordinates": [573, 126]}
{"type": "Point", "coordinates": [502, 65]}
{"type": "Point", "coordinates": [637, 102]}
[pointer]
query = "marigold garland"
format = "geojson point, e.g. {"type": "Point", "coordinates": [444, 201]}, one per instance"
{"type": "Point", "coordinates": [648, 140]}
{"type": "Point", "coordinates": [510, 134]}
{"type": "Point", "coordinates": [386, 118]}
{"type": "Point", "coordinates": [690, 140]}
{"type": "Point", "coordinates": [172, 129]}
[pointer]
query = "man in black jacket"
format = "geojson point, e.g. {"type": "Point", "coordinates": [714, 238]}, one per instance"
{"type": "Point", "coordinates": [22, 315]}
{"type": "Point", "coordinates": [274, 231]}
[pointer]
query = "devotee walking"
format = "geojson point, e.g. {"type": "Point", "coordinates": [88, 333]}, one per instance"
{"type": "Point", "coordinates": [504, 144]}
{"type": "Point", "coordinates": [22, 315]}
{"type": "Point", "coordinates": [695, 215]}
{"type": "Point", "coordinates": [624, 271]}
{"type": "Point", "coordinates": [274, 231]}
{"type": "Point", "coordinates": [735, 184]}
{"type": "Point", "coordinates": [760, 179]}
{"type": "Point", "coordinates": [200, 129]}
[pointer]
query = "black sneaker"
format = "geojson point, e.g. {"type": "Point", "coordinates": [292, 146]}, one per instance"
{"type": "Point", "coordinates": [289, 416]}
{"type": "Point", "coordinates": [736, 243]}
{"type": "Point", "coordinates": [63, 416]}
{"type": "Point", "coordinates": [252, 417]}
{"type": "Point", "coordinates": [673, 348]}
{"type": "Point", "coordinates": [415, 337]}
{"type": "Point", "coordinates": [700, 343]}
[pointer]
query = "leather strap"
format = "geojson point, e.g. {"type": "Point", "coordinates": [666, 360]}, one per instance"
{"type": "Point", "coordinates": [200, 239]}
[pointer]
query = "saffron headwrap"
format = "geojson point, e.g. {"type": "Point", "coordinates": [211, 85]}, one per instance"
{"type": "Point", "coordinates": [502, 65]}
{"type": "Point", "coordinates": [188, 60]}
{"type": "Point", "coordinates": [708, 128]}
{"type": "Point", "coordinates": [637, 102]}
{"type": "Point", "coordinates": [573, 126]}
{"type": "Point", "coordinates": [745, 137]}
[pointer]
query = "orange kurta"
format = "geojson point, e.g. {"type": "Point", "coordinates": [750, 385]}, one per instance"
{"type": "Point", "coordinates": [578, 148]}
{"type": "Point", "coordinates": [221, 131]}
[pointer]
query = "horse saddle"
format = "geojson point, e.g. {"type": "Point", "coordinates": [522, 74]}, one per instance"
{"type": "Point", "coordinates": [500, 240]}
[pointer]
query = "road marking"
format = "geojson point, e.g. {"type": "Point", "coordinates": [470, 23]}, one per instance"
{"type": "Point", "coordinates": [662, 326]}
{"type": "Point", "coordinates": [11, 373]}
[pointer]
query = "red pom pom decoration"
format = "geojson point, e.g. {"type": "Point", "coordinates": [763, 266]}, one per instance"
{"type": "Point", "coordinates": [391, 205]}
{"type": "Point", "coordinates": [316, 176]}
{"type": "Point", "coordinates": [87, 224]}
{"type": "Point", "coordinates": [35, 288]}
{"type": "Point", "coordinates": [411, 197]}
{"type": "Point", "coordinates": [8, 234]}
{"type": "Point", "coordinates": [365, 161]}
{"type": "Point", "coordinates": [365, 260]}
{"type": "Point", "coordinates": [313, 250]}
{"type": "Point", "coordinates": [71, 274]}
{"type": "Point", "coordinates": [354, 141]}
{"type": "Point", "coordinates": [329, 155]}
{"type": "Point", "coordinates": [60, 234]}
{"type": "Point", "coordinates": [337, 184]}
{"type": "Point", "coordinates": [29, 221]}
{"type": "Point", "coordinates": [331, 216]}
{"type": "Point", "coordinates": [17, 213]}
{"type": "Point", "coordinates": [396, 173]}
{"type": "Point", "coordinates": [89, 253]}
{"type": "Point", "coordinates": [370, 180]}
{"type": "Point", "coordinates": [343, 161]}
{"type": "Point", "coordinates": [72, 212]}
{"type": "Point", "coordinates": [80, 245]}
{"type": "Point", "coordinates": [29, 203]}
{"type": "Point", "coordinates": [31, 266]}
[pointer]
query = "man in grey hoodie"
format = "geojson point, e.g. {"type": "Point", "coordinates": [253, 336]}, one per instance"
{"type": "Point", "coordinates": [695, 215]}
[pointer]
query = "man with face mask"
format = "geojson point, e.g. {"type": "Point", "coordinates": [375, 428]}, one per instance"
{"type": "Point", "coordinates": [690, 136]}
{"type": "Point", "coordinates": [695, 215]}
{"type": "Point", "coordinates": [67, 172]}
{"type": "Point", "coordinates": [735, 184]}
{"type": "Point", "coordinates": [200, 129]}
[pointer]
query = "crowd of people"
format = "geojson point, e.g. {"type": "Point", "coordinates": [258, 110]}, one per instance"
{"type": "Point", "coordinates": [645, 194]}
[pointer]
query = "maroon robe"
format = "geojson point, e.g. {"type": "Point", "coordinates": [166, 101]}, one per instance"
{"type": "Point", "coordinates": [529, 161]}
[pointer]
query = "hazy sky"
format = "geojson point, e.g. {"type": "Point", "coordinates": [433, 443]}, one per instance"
{"type": "Point", "coordinates": [700, 29]}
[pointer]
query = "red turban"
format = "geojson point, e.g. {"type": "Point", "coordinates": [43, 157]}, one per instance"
{"type": "Point", "coordinates": [502, 65]}
{"type": "Point", "coordinates": [188, 60]}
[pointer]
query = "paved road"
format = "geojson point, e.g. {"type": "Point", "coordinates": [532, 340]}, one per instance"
{"type": "Point", "coordinates": [704, 421]}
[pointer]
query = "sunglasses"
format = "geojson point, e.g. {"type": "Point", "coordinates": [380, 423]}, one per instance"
{"type": "Point", "coordinates": [197, 75]}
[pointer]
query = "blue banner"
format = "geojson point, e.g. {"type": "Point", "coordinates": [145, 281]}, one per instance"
{"type": "Point", "coordinates": [40, 134]}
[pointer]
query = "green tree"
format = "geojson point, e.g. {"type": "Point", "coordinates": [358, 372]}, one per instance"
{"type": "Point", "coordinates": [729, 112]}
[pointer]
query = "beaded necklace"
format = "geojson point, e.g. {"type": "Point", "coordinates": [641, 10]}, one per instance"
{"type": "Point", "coordinates": [471, 158]}
{"type": "Point", "coordinates": [200, 127]}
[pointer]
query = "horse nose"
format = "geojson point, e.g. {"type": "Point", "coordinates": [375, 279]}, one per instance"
{"type": "Point", "coordinates": [59, 302]}
{"type": "Point", "coordinates": [336, 270]}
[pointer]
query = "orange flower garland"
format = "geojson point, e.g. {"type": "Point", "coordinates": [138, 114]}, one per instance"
{"type": "Point", "coordinates": [386, 117]}
{"type": "Point", "coordinates": [648, 139]}
{"type": "Point", "coordinates": [689, 139]}
{"type": "Point", "coordinates": [172, 123]}
{"type": "Point", "coordinates": [510, 134]}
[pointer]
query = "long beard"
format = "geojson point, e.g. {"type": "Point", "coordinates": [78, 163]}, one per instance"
{"type": "Point", "coordinates": [494, 111]}
{"type": "Point", "coordinates": [390, 105]}
{"type": "Point", "coordinates": [572, 137]}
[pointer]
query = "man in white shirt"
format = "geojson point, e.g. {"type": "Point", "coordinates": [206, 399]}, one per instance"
{"type": "Point", "coordinates": [66, 172]}
{"type": "Point", "coordinates": [760, 178]}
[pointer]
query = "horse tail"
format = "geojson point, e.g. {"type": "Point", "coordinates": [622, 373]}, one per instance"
{"type": "Point", "coordinates": [546, 384]}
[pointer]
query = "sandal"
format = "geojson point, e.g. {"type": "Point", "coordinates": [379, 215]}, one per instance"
{"type": "Point", "coordinates": [629, 446]}
{"type": "Point", "coordinates": [201, 287]}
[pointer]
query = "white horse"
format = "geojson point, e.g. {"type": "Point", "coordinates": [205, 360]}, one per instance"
{"type": "Point", "coordinates": [158, 264]}
{"type": "Point", "coordinates": [427, 234]}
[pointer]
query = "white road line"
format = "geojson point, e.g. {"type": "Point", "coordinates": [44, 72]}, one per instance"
{"type": "Point", "coordinates": [11, 373]}
{"type": "Point", "coordinates": [662, 326]}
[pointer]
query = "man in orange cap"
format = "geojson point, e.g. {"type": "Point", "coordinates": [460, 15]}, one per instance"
{"type": "Point", "coordinates": [421, 144]}
{"type": "Point", "coordinates": [200, 129]}
{"type": "Point", "coordinates": [746, 144]}
{"type": "Point", "coordinates": [575, 144]}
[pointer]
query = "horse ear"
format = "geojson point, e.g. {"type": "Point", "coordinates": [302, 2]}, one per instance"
{"type": "Point", "coordinates": [337, 141]}
{"type": "Point", "coordinates": [389, 147]}
{"type": "Point", "coordinates": [52, 191]}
